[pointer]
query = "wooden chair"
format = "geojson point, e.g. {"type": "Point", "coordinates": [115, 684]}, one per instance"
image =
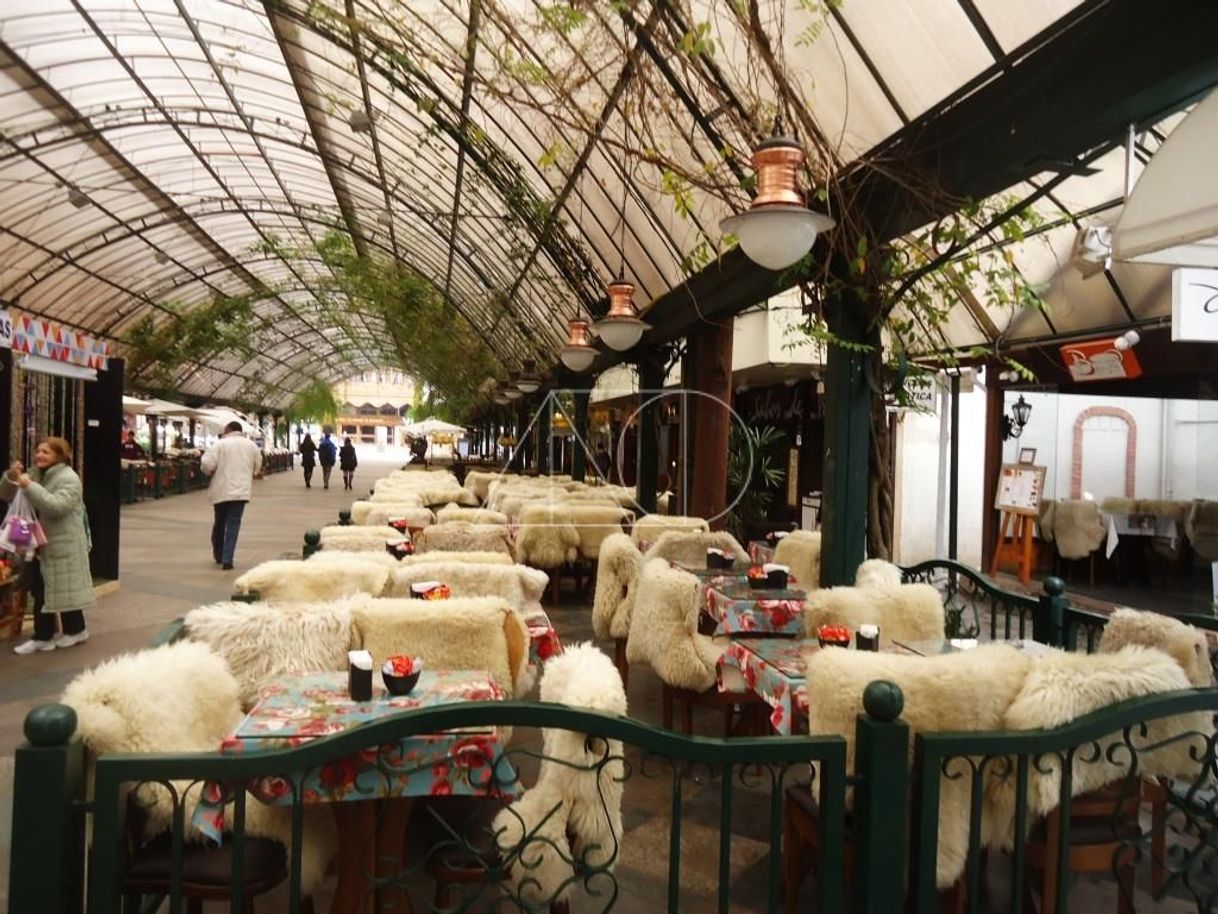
{"type": "Point", "coordinates": [1103, 829]}
{"type": "Point", "coordinates": [746, 724]}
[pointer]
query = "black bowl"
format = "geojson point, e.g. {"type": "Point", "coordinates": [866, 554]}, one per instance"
{"type": "Point", "coordinates": [400, 685]}
{"type": "Point", "coordinates": [777, 580]}
{"type": "Point", "coordinates": [759, 583]}
{"type": "Point", "coordinates": [826, 642]}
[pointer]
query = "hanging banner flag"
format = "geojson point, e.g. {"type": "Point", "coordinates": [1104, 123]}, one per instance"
{"type": "Point", "coordinates": [41, 337]}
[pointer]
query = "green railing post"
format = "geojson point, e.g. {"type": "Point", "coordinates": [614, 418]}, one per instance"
{"type": "Point", "coordinates": [344, 518]}
{"type": "Point", "coordinates": [881, 764]}
{"type": "Point", "coordinates": [1047, 623]}
{"type": "Point", "coordinates": [252, 597]}
{"type": "Point", "coordinates": [47, 853]}
{"type": "Point", "coordinates": [312, 542]}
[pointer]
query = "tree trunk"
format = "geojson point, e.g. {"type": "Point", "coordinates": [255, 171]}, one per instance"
{"type": "Point", "coordinates": [880, 513]}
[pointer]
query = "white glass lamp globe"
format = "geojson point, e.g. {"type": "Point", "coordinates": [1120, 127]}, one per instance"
{"type": "Point", "coordinates": [577, 358]}
{"type": "Point", "coordinates": [776, 236]}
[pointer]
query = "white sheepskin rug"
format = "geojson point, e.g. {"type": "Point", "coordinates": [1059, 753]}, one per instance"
{"type": "Point", "coordinates": [1062, 687]}
{"type": "Point", "coordinates": [664, 628]}
{"type": "Point", "coordinates": [647, 529]}
{"type": "Point", "coordinates": [1078, 528]}
{"type": "Point", "coordinates": [471, 633]}
{"type": "Point", "coordinates": [688, 547]}
{"type": "Point", "coordinates": [182, 698]}
{"type": "Point", "coordinates": [465, 558]}
{"type": "Point", "coordinates": [877, 573]}
{"type": "Point", "coordinates": [357, 539]}
{"type": "Point", "coordinates": [579, 784]}
{"type": "Point", "coordinates": [260, 641]}
{"type": "Point", "coordinates": [799, 550]}
{"type": "Point", "coordinates": [617, 577]}
{"type": "Point", "coordinates": [381, 515]}
{"type": "Point", "coordinates": [464, 537]}
{"type": "Point", "coordinates": [970, 690]}
{"type": "Point", "coordinates": [593, 523]}
{"type": "Point", "coordinates": [547, 538]}
{"type": "Point", "coordinates": [360, 509]}
{"type": "Point", "coordinates": [1202, 529]}
{"type": "Point", "coordinates": [340, 556]}
{"type": "Point", "coordinates": [451, 512]}
{"type": "Point", "coordinates": [519, 585]}
{"type": "Point", "coordinates": [907, 612]}
{"type": "Point", "coordinates": [479, 482]}
{"type": "Point", "coordinates": [1183, 643]}
{"type": "Point", "coordinates": [304, 582]}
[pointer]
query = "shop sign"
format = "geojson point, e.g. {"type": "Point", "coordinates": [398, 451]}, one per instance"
{"type": "Point", "coordinates": [6, 329]}
{"type": "Point", "coordinates": [774, 405]}
{"type": "Point", "coordinates": [1194, 304]}
{"type": "Point", "coordinates": [1100, 360]}
{"type": "Point", "coordinates": [922, 393]}
{"type": "Point", "coordinates": [36, 336]}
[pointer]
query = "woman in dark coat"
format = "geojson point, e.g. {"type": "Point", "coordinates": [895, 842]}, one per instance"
{"type": "Point", "coordinates": [308, 459]}
{"type": "Point", "coordinates": [347, 462]}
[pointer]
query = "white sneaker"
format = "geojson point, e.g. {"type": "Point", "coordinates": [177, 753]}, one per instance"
{"type": "Point", "coordinates": [62, 640]}
{"type": "Point", "coordinates": [29, 647]}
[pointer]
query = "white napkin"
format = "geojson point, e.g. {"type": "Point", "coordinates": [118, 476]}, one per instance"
{"type": "Point", "coordinates": [361, 660]}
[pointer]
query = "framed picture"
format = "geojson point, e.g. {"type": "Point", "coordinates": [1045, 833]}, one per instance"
{"type": "Point", "coordinates": [1027, 455]}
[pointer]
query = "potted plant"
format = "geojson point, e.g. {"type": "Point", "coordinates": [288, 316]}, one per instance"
{"type": "Point", "coordinates": [753, 477]}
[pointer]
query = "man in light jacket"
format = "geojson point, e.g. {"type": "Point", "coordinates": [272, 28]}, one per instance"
{"type": "Point", "coordinates": [232, 463]}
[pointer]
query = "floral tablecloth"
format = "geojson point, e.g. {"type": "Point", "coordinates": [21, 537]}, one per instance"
{"type": "Point", "coordinates": [774, 669]}
{"type": "Point", "coordinates": [738, 609]}
{"type": "Point", "coordinates": [760, 552]}
{"type": "Point", "coordinates": [299, 708]}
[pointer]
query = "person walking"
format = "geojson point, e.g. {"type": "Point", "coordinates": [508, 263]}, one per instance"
{"type": "Point", "coordinates": [232, 463]}
{"type": "Point", "coordinates": [347, 462]}
{"type": "Point", "coordinates": [308, 459]}
{"type": "Point", "coordinates": [58, 578]}
{"type": "Point", "coordinates": [326, 454]}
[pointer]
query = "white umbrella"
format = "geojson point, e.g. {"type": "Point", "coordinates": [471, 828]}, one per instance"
{"type": "Point", "coordinates": [158, 407]}
{"type": "Point", "coordinates": [433, 426]}
{"type": "Point", "coordinates": [134, 405]}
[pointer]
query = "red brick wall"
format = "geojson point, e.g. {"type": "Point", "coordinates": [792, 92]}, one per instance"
{"type": "Point", "coordinates": [1131, 447]}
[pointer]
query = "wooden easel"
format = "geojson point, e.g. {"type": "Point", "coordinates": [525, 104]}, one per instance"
{"type": "Point", "coordinates": [1018, 549]}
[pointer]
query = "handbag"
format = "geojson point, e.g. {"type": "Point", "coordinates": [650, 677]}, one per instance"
{"type": "Point", "coordinates": [21, 533]}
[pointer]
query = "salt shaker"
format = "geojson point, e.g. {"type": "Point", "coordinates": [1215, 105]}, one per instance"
{"type": "Point", "coordinates": [867, 638]}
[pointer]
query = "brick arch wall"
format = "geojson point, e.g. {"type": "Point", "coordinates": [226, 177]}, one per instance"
{"type": "Point", "coordinates": [1131, 447]}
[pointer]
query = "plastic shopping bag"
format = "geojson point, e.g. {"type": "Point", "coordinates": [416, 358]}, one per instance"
{"type": "Point", "coordinates": [20, 532]}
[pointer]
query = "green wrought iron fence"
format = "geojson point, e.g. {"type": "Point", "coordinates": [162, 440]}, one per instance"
{"type": "Point", "coordinates": [974, 603]}
{"type": "Point", "coordinates": [761, 766]}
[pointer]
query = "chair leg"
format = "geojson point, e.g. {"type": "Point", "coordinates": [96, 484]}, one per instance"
{"type": "Point", "coordinates": [687, 715]}
{"type": "Point", "coordinates": [1125, 876]}
{"type": "Point", "coordinates": [666, 707]}
{"type": "Point", "coordinates": [1050, 876]}
{"type": "Point", "coordinates": [620, 661]}
{"type": "Point", "coordinates": [1158, 838]}
{"type": "Point", "coordinates": [792, 864]}
{"type": "Point", "coordinates": [194, 906]}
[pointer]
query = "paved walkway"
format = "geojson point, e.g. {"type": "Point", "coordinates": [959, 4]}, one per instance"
{"type": "Point", "coordinates": [165, 570]}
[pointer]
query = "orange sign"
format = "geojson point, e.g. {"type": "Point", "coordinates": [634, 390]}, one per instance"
{"type": "Point", "coordinates": [1100, 360]}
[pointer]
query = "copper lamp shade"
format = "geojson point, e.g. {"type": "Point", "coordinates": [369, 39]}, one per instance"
{"type": "Point", "coordinates": [620, 328]}
{"type": "Point", "coordinates": [578, 354]}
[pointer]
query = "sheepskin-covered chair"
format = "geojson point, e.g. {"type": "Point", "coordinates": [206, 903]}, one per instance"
{"type": "Point", "coordinates": [617, 578]}
{"type": "Point", "coordinates": [594, 523]}
{"type": "Point", "coordinates": [471, 633]}
{"type": "Point", "coordinates": [465, 558]}
{"type": "Point", "coordinates": [688, 547]}
{"type": "Point", "coordinates": [479, 482]}
{"type": "Point", "coordinates": [382, 514]}
{"type": "Point", "coordinates": [260, 641]}
{"type": "Point", "coordinates": [572, 817]}
{"type": "Point", "coordinates": [1183, 643]}
{"type": "Point", "coordinates": [451, 513]}
{"type": "Point", "coordinates": [356, 539]}
{"type": "Point", "coordinates": [664, 635]}
{"type": "Point", "coordinates": [647, 529]}
{"type": "Point", "coordinates": [799, 550]}
{"type": "Point", "coordinates": [464, 537]}
{"type": "Point", "coordinates": [1061, 687]}
{"type": "Point", "coordinates": [360, 509]}
{"type": "Point", "coordinates": [970, 690]}
{"type": "Point", "coordinates": [302, 582]}
{"type": "Point", "coordinates": [547, 539]}
{"type": "Point", "coordinates": [182, 698]}
{"type": "Point", "coordinates": [1202, 529]}
{"type": "Point", "coordinates": [907, 612]}
{"type": "Point", "coordinates": [877, 573]}
{"type": "Point", "coordinates": [521, 586]}
{"type": "Point", "coordinates": [1078, 529]}
{"type": "Point", "coordinates": [340, 556]}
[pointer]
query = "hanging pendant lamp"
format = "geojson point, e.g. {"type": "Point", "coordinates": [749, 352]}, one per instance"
{"type": "Point", "coordinates": [777, 230]}
{"type": "Point", "coordinates": [621, 328]}
{"type": "Point", "coordinates": [511, 387]}
{"type": "Point", "coordinates": [578, 354]}
{"type": "Point", "coordinates": [529, 380]}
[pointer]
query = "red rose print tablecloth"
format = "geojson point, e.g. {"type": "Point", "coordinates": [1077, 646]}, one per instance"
{"type": "Point", "coordinates": [738, 609]}
{"type": "Point", "coordinates": [774, 669]}
{"type": "Point", "coordinates": [300, 708]}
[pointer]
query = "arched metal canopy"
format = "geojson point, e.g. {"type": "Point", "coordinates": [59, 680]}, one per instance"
{"type": "Point", "coordinates": [161, 153]}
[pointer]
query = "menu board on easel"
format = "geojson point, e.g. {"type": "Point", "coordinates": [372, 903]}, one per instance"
{"type": "Point", "coordinates": [1019, 489]}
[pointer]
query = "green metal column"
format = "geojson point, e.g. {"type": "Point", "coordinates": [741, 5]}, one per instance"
{"type": "Point", "coordinates": [847, 446]}
{"type": "Point", "coordinates": [953, 515]}
{"type": "Point", "coordinates": [651, 380]}
{"type": "Point", "coordinates": [579, 439]}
